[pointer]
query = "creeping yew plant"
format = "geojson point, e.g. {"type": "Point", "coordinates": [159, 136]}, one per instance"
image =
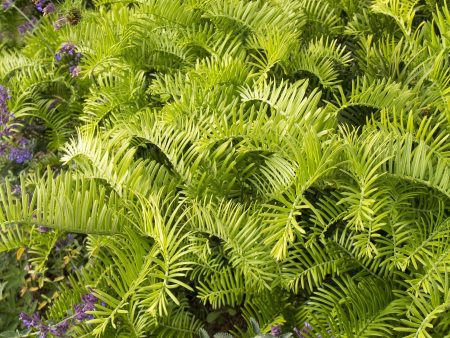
{"type": "Point", "coordinates": [226, 168]}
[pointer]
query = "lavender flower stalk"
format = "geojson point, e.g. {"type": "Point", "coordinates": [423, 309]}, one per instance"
{"type": "Point", "coordinates": [60, 329]}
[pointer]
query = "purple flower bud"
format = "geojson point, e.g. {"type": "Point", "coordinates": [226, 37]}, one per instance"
{"type": "Point", "coordinates": [22, 29]}
{"type": "Point", "coordinates": [88, 304]}
{"type": "Point", "coordinates": [68, 51]}
{"type": "Point", "coordinates": [50, 8]}
{"type": "Point", "coordinates": [7, 4]}
{"type": "Point", "coordinates": [39, 5]}
{"type": "Point", "coordinates": [27, 26]}
{"type": "Point", "coordinates": [74, 71]}
{"type": "Point", "coordinates": [29, 321]}
{"type": "Point", "coordinates": [275, 330]}
{"type": "Point", "coordinates": [79, 311]}
{"type": "Point", "coordinates": [20, 155]}
{"type": "Point", "coordinates": [89, 298]}
{"type": "Point", "coordinates": [36, 318]}
{"type": "Point", "coordinates": [26, 320]}
{"type": "Point", "coordinates": [43, 331]}
{"type": "Point", "coordinates": [60, 329]}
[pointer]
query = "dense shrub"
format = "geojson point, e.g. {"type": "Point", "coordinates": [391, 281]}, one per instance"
{"type": "Point", "coordinates": [180, 168]}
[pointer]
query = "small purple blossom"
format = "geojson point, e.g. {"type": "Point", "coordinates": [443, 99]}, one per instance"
{"type": "Point", "coordinates": [68, 48]}
{"type": "Point", "coordinates": [88, 304]}
{"type": "Point", "coordinates": [39, 5]}
{"type": "Point", "coordinates": [7, 4]}
{"type": "Point", "coordinates": [89, 298]}
{"type": "Point", "coordinates": [20, 155]}
{"type": "Point", "coordinates": [50, 8]}
{"type": "Point", "coordinates": [79, 311]}
{"type": "Point", "coordinates": [60, 329]}
{"type": "Point", "coordinates": [275, 330]}
{"type": "Point", "coordinates": [74, 71]}
{"type": "Point", "coordinates": [43, 331]}
{"type": "Point", "coordinates": [68, 55]}
{"type": "Point", "coordinates": [27, 26]}
{"type": "Point", "coordinates": [26, 320]}
{"type": "Point", "coordinates": [30, 321]}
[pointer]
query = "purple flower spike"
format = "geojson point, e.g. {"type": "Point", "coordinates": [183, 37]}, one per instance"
{"type": "Point", "coordinates": [275, 330]}
{"type": "Point", "coordinates": [70, 57]}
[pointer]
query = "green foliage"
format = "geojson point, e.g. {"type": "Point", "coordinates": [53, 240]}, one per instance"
{"type": "Point", "coordinates": [287, 161]}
